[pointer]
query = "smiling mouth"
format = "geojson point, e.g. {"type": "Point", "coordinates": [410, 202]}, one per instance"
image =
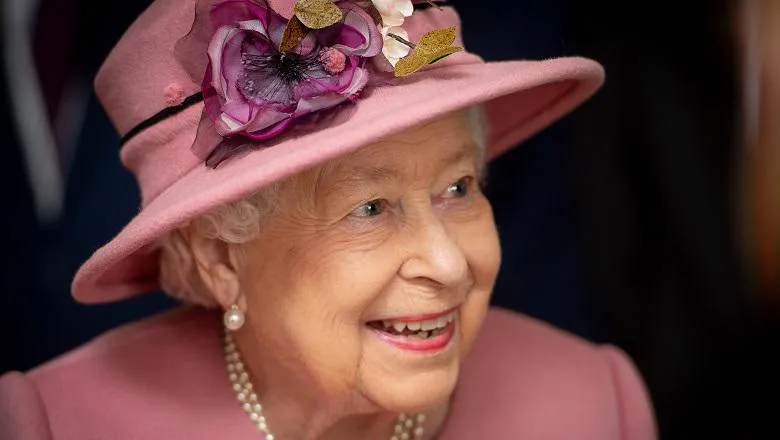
{"type": "Point", "coordinates": [426, 329]}
{"type": "Point", "coordinates": [429, 334]}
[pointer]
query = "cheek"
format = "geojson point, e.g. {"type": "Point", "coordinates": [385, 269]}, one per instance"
{"type": "Point", "coordinates": [307, 299]}
{"type": "Point", "coordinates": [479, 242]}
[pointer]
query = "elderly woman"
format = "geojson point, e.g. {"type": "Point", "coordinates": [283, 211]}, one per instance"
{"type": "Point", "coordinates": [310, 175]}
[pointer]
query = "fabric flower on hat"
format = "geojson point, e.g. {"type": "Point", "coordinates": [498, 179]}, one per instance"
{"type": "Point", "coordinates": [262, 72]}
{"type": "Point", "coordinates": [255, 91]}
{"type": "Point", "coordinates": [394, 12]}
{"type": "Point", "coordinates": [392, 49]}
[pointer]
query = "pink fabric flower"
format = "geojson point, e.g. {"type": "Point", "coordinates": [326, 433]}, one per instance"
{"type": "Point", "coordinates": [253, 91]}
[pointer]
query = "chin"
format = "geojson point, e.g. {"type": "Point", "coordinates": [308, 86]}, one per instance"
{"type": "Point", "coordinates": [400, 379]}
{"type": "Point", "coordinates": [415, 392]}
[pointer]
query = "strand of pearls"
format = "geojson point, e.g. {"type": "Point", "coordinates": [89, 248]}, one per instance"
{"type": "Point", "coordinates": [243, 387]}
{"type": "Point", "coordinates": [407, 426]}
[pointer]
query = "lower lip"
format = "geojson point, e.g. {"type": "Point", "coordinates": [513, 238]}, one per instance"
{"type": "Point", "coordinates": [428, 346]}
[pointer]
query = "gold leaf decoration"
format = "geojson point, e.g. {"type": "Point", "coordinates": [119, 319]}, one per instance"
{"type": "Point", "coordinates": [293, 34]}
{"type": "Point", "coordinates": [445, 53]}
{"type": "Point", "coordinates": [317, 14]}
{"type": "Point", "coordinates": [433, 46]}
{"type": "Point", "coordinates": [437, 39]}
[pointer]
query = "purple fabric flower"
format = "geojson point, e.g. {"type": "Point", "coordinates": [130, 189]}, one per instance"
{"type": "Point", "coordinates": [253, 91]}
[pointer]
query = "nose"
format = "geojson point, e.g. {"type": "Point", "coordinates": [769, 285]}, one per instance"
{"type": "Point", "coordinates": [433, 257]}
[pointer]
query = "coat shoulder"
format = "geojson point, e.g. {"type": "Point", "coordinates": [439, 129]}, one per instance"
{"type": "Point", "coordinates": [141, 370]}
{"type": "Point", "coordinates": [542, 382]}
{"type": "Point", "coordinates": [22, 412]}
{"type": "Point", "coordinates": [145, 338]}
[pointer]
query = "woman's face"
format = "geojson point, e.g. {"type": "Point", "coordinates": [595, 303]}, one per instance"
{"type": "Point", "coordinates": [374, 273]}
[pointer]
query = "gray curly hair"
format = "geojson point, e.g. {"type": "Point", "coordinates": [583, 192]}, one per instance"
{"type": "Point", "coordinates": [237, 223]}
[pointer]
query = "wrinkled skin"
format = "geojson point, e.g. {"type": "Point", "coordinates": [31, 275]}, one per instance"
{"type": "Point", "coordinates": [397, 228]}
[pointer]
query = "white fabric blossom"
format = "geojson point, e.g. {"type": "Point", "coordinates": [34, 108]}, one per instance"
{"type": "Point", "coordinates": [394, 12]}
{"type": "Point", "coordinates": [393, 49]}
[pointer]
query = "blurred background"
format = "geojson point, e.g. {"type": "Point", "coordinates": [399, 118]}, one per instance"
{"type": "Point", "coordinates": [649, 218]}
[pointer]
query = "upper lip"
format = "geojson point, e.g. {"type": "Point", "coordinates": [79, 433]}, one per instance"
{"type": "Point", "coordinates": [419, 316]}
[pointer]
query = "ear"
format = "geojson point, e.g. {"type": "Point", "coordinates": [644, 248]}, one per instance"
{"type": "Point", "coordinates": [217, 268]}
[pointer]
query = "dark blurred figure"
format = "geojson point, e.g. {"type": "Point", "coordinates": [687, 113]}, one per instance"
{"type": "Point", "coordinates": [655, 170]}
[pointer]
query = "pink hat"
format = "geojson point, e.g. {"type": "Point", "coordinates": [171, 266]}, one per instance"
{"type": "Point", "coordinates": [263, 89]}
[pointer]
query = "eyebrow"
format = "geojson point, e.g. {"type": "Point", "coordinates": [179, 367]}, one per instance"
{"type": "Point", "coordinates": [357, 174]}
{"type": "Point", "coordinates": [371, 173]}
{"type": "Point", "coordinates": [466, 149]}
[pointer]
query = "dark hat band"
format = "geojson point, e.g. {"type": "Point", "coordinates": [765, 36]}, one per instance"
{"type": "Point", "coordinates": [163, 114]}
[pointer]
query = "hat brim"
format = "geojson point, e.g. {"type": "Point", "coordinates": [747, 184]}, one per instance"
{"type": "Point", "coordinates": [520, 97]}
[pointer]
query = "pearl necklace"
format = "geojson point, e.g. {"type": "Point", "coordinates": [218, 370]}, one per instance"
{"type": "Point", "coordinates": [407, 426]}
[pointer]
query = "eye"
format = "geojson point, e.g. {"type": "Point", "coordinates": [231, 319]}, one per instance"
{"type": "Point", "coordinates": [459, 188]}
{"type": "Point", "coordinates": [370, 209]}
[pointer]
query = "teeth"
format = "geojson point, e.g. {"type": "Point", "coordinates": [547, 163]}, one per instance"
{"type": "Point", "coordinates": [424, 327]}
{"type": "Point", "coordinates": [429, 324]}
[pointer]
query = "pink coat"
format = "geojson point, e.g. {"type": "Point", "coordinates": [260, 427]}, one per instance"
{"type": "Point", "coordinates": [164, 378]}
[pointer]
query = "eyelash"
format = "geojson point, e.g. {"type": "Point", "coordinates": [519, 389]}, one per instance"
{"type": "Point", "coordinates": [376, 207]}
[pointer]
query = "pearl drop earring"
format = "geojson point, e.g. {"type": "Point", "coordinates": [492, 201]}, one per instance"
{"type": "Point", "coordinates": [234, 318]}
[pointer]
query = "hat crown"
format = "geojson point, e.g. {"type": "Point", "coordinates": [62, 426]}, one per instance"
{"type": "Point", "coordinates": [142, 76]}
